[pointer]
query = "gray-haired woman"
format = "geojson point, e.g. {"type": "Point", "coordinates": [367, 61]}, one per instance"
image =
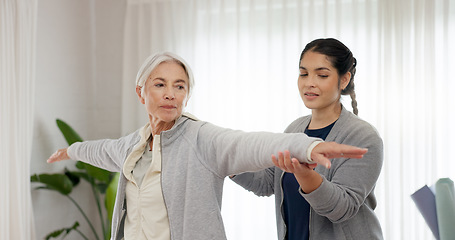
{"type": "Point", "coordinates": [173, 168]}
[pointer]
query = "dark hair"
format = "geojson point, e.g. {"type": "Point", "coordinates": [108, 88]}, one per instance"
{"type": "Point", "coordinates": [341, 58]}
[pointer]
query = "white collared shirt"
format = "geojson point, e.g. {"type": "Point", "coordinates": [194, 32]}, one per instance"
{"type": "Point", "coordinates": [146, 212]}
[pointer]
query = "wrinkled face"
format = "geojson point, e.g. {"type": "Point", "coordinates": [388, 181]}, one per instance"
{"type": "Point", "coordinates": [318, 82]}
{"type": "Point", "coordinates": [165, 92]}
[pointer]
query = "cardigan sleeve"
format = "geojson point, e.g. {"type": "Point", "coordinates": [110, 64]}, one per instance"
{"type": "Point", "coordinates": [108, 154]}
{"type": "Point", "coordinates": [351, 181]}
{"type": "Point", "coordinates": [230, 152]}
{"type": "Point", "coordinates": [260, 183]}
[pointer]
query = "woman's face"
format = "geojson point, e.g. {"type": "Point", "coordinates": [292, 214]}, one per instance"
{"type": "Point", "coordinates": [165, 92]}
{"type": "Point", "coordinates": [318, 82]}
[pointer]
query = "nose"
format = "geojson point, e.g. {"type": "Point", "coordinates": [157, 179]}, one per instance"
{"type": "Point", "coordinates": [310, 81]}
{"type": "Point", "coordinates": [169, 94]}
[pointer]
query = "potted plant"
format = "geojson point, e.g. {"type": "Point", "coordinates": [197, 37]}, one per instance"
{"type": "Point", "coordinates": [102, 182]}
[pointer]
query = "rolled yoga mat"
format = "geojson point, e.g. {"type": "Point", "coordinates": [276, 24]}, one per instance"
{"type": "Point", "coordinates": [445, 208]}
{"type": "Point", "coordinates": [425, 201]}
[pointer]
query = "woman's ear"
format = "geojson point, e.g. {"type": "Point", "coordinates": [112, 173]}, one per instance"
{"type": "Point", "coordinates": [138, 92]}
{"type": "Point", "coordinates": [345, 80]}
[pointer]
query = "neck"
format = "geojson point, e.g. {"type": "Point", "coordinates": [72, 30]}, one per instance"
{"type": "Point", "coordinates": [323, 117]}
{"type": "Point", "coordinates": [160, 126]}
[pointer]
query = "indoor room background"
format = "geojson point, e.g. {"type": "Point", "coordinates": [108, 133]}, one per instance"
{"type": "Point", "coordinates": [76, 60]}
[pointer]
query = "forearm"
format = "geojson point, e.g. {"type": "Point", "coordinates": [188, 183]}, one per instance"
{"type": "Point", "coordinates": [260, 183]}
{"type": "Point", "coordinates": [235, 152]}
{"type": "Point", "coordinates": [98, 153]}
{"type": "Point", "coordinates": [309, 182]}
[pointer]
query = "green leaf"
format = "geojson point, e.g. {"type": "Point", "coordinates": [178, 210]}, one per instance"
{"type": "Point", "coordinates": [68, 132]}
{"type": "Point", "coordinates": [75, 179]}
{"type": "Point", "coordinates": [80, 165]}
{"type": "Point", "coordinates": [102, 187]}
{"type": "Point", "coordinates": [57, 233]}
{"type": "Point", "coordinates": [92, 176]}
{"type": "Point", "coordinates": [84, 176]}
{"type": "Point", "coordinates": [43, 187]}
{"type": "Point", "coordinates": [58, 182]}
{"type": "Point", "coordinates": [109, 199]}
{"type": "Point", "coordinates": [98, 173]}
{"type": "Point", "coordinates": [95, 172]}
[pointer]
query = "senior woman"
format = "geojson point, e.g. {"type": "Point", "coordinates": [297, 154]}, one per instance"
{"type": "Point", "coordinates": [173, 168]}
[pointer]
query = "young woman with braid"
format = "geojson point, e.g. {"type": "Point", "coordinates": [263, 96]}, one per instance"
{"type": "Point", "coordinates": [313, 202]}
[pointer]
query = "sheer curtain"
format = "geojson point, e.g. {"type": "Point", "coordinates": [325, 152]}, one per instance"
{"type": "Point", "coordinates": [17, 51]}
{"type": "Point", "coordinates": [244, 55]}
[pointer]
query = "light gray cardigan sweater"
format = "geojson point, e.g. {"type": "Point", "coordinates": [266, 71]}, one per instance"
{"type": "Point", "coordinates": [196, 157]}
{"type": "Point", "coordinates": [343, 206]}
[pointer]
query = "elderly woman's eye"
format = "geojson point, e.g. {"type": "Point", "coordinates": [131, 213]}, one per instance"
{"type": "Point", "coordinates": [181, 87]}
{"type": "Point", "coordinates": [159, 85]}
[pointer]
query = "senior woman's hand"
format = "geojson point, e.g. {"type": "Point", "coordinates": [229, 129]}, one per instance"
{"type": "Point", "coordinates": [59, 155]}
{"type": "Point", "coordinates": [308, 179]}
{"type": "Point", "coordinates": [327, 150]}
{"type": "Point", "coordinates": [320, 154]}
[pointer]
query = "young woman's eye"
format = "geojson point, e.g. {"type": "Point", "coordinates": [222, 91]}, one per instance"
{"type": "Point", "coordinates": [303, 74]}
{"type": "Point", "coordinates": [324, 76]}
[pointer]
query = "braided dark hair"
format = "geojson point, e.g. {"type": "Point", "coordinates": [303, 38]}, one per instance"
{"type": "Point", "coordinates": [341, 58]}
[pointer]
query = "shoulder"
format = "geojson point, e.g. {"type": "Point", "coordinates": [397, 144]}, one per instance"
{"type": "Point", "coordinates": [350, 129]}
{"type": "Point", "coordinates": [133, 137]}
{"type": "Point", "coordinates": [126, 143]}
{"type": "Point", "coordinates": [188, 127]}
{"type": "Point", "coordinates": [351, 122]}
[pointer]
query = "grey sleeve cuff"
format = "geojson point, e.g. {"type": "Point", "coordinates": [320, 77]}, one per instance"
{"type": "Point", "coordinates": [310, 149]}
{"type": "Point", "coordinates": [70, 151]}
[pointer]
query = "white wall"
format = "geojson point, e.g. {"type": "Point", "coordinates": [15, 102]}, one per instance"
{"type": "Point", "coordinates": [78, 79]}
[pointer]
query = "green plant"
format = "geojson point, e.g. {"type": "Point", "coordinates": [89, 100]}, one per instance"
{"type": "Point", "coordinates": [102, 182]}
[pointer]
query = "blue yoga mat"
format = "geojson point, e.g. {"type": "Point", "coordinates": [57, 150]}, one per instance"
{"type": "Point", "coordinates": [425, 201]}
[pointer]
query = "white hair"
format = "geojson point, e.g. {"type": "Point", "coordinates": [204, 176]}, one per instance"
{"type": "Point", "coordinates": [154, 60]}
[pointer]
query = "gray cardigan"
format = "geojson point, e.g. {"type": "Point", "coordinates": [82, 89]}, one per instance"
{"type": "Point", "coordinates": [343, 206]}
{"type": "Point", "coordinates": [196, 157]}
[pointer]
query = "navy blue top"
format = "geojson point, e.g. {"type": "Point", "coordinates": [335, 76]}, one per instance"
{"type": "Point", "coordinates": [295, 208]}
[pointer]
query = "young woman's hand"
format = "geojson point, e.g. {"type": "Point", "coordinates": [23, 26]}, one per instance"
{"type": "Point", "coordinates": [308, 179]}
{"type": "Point", "coordinates": [291, 165]}
{"type": "Point", "coordinates": [59, 155]}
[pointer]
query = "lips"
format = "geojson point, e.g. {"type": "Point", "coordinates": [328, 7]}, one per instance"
{"type": "Point", "coordinates": [168, 106]}
{"type": "Point", "coordinates": [310, 94]}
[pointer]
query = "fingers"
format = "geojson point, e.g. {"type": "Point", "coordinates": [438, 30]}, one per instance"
{"type": "Point", "coordinates": [282, 162]}
{"type": "Point", "coordinates": [334, 150]}
{"type": "Point", "coordinates": [346, 151]}
{"type": "Point", "coordinates": [288, 164]}
{"type": "Point", "coordinates": [53, 157]}
{"type": "Point", "coordinates": [321, 154]}
{"type": "Point", "coordinates": [287, 160]}
{"type": "Point", "coordinates": [274, 160]}
{"type": "Point", "coordinates": [321, 159]}
{"type": "Point", "coordinates": [324, 151]}
{"type": "Point", "coordinates": [59, 155]}
{"type": "Point", "coordinates": [312, 165]}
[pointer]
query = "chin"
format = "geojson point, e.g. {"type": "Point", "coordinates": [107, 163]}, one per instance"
{"type": "Point", "coordinates": [166, 117]}
{"type": "Point", "coordinates": [310, 105]}
{"type": "Point", "coordinates": [169, 117]}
